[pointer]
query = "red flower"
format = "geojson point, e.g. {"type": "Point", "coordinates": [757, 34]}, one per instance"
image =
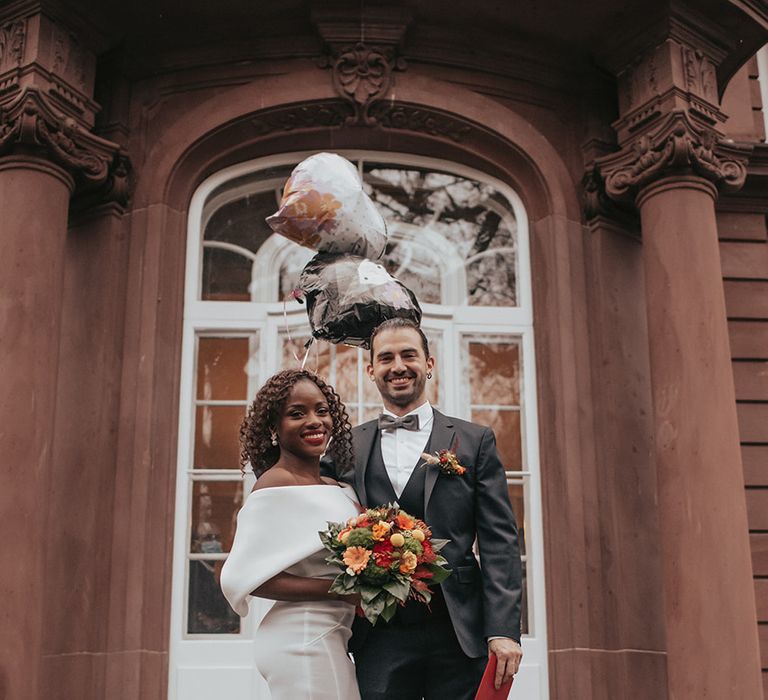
{"type": "Point", "coordinates": [382, 553]}
{"type": "Point", "coordinates": [428, 555]}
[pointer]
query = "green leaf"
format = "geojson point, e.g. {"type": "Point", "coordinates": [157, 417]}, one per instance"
{"type": "Point", "coordinates": [439, 574]}
{"type": "Point", "coordinates": [373, 609]}
{"type": "Point", "coordinates": [338, 585]}
{"type": "Point", "coordinates": [398, 588]}
{"type": "Point", "coordinates": [389, 610]}
{"type": "Point", "coordinates": [437, 545]}
{"type": "Point", "coordinates": [368, 593]}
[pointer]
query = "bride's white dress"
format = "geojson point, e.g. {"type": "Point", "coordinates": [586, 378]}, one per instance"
{"type": "Point", "coordinates": [301, 648]}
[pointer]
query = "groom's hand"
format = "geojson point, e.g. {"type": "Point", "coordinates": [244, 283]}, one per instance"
{"type": "Point", "coordinates": [508, 655]}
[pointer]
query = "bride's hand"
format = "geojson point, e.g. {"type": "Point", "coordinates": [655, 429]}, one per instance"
{"type": "Point", "coordinates": [352, 599]}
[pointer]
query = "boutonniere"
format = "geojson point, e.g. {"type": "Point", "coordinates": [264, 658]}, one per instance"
{"type": "Point", "coordinates": [446, 461]}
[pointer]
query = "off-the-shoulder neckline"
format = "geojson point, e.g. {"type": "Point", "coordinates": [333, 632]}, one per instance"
{"type": "Point", "coordinates": [302, 486]}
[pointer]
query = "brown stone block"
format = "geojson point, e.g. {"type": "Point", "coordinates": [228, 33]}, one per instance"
{"type": "Point", "coordinates": [744, 260]}
{"type": "Point", "coordinates": [749, 340]}
{"type": "Point", "coordinates": [87, 401]}
{"type": "Point", "coordinates": [753, 422]}
{"type": "Point", "coordinates": [741, 226]}
{"type": "Point", "coordinates": [73, 676]}
{"type": "Point", "coordinates": [761, 598]}
{"type": "Point", "coordinates": [746, 299]}
{"type": "Point", "coordinates": [609, 674]}
{"type": "Point", "coordinates": [146, 457]}
{"type": "Point", "coordinates": [754, 458]}
{"type": "Point", "coordinates": [757, 509]}
{"type": "Point", "coordinates": [758, 543]}
{"type": "Point", "coordinates": [762, 632]}
{"type": "Point", "coordinates": [751, 380]}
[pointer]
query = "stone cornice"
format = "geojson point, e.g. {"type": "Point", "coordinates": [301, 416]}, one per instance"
{"type": "Point", "coordinates": [31, 126]}
{"type": "Point", "coordinates": [678, 147]}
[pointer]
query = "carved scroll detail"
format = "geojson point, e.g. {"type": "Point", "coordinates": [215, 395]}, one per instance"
{"type": "Point", "coordinates": [30, 125]}
{"type": "Point", "coordinates": [362, 75]}
{"type": "Point", "coordinates": [678, 147]}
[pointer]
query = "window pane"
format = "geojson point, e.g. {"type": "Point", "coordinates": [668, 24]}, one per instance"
{"type": "Point", "coordinates": [506, 426]}
{"type": "Point", "coordinates": [208, 610]}
{"type": "Point", "coordinates": [453, 240]}
{"type": "Point", "coordinates": [347, 374]}
{"type": "Point", "coordinates": [240, 213]}
{"type": "Point", "coordinates": [217, 434]}
{"type": "Point", "coordinates": [226, 275]}
{"type": "Point", "coordinates": [214, 509]}
{"type": "Point", "coordinates": [214, 515]}
{"type": "Point", "coordinates": [223, 367]}
{"type": "Point", "coordinates": [494, 370]}
{"type": "Point", "coordinates": [234, 216]}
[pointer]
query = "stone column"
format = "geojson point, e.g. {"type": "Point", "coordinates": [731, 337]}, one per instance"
{"type": "Point", "coordinates": [671, 166]}
{"type": "Point", "coordinates": [46, 152]}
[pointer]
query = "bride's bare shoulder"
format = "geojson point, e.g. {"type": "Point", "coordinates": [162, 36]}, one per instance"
{"type": "Point", "coordinates": [274, 477]}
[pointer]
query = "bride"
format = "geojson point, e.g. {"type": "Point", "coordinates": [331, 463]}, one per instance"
{"type": "Point", "coordinates": [301, 644]}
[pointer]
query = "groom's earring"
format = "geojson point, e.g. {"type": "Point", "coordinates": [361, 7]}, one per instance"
{"type": "Point", "coordinates": [429, 375]}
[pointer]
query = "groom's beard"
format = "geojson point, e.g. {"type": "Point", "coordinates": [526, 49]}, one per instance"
{"type": "Point", "coordinates": [402, 398]}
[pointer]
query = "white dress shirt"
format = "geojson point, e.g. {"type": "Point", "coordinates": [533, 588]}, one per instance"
{"type": "Point", "coordinates": [401, 449]}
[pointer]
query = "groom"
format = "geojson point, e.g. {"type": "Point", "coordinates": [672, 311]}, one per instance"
{"type": "Point", "coordinates": [438, 651]}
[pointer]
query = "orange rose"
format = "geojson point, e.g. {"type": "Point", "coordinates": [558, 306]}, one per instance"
{"type": "Point", "coordinates": [404, 522]}
{"type": "Point", "coordinates": [380, 531]}
{"type": "Point", "coordinates": [408, 563]}
{"type": "Point", "coordinates": [342, 537]}
{"type": "Point", "coordinates": [356, 559]}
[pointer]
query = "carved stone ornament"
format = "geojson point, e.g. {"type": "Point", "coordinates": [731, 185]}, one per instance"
{"type": "Point", "coordinates": [308, 116]}
{"type": "Point", "coordinates": [385, 114]}
{"type": "Point", "coordinates": [11, 45]}
{"type": "Point", "coordinates": [29, 125]}
{"type": "Point", "coordinates": [362, 74]}
{"type": "Point", "coordinates": [678, 147]}
{"type": "Point", "coordinates": [414, 118]}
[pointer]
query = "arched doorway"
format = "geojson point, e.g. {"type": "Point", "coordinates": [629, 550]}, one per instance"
{"type": "Point", "coordinates": [460, 240]}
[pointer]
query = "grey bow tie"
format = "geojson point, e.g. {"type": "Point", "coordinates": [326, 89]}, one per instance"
{"type": "Point", "coordinates": [387, 422]}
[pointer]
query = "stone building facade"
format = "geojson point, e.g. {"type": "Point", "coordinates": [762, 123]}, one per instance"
{"type": "Point", "coordinates": [623, 147]}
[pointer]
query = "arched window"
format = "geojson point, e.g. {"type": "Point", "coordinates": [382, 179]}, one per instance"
{"type": "Point", "coordinates": [459, 240]}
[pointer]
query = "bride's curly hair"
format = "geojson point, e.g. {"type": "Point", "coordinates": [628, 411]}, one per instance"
{"type": "Point", "coordinates": [256, 431]}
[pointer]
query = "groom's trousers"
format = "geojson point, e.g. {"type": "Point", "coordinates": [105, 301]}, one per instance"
{"type": "Point", "coordinates": [411, 662]}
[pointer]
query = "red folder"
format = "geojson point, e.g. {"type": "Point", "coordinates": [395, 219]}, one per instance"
{"type": "Point", "coordinates": [486, 691]}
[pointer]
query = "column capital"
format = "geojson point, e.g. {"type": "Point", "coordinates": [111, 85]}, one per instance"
{"type": "Point", "coordinates": [677, 148]}
{"type": "Point", "coordinates": [47, 69]}
{"type": "Point", "coordinates": [30, 126]}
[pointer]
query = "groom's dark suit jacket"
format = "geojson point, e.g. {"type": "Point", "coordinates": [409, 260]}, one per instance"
{"type": "Point", "coordinates": [482, 601]}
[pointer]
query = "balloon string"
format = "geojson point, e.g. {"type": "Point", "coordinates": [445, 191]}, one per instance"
{"type": "Point", "coordinates": [306, 354]}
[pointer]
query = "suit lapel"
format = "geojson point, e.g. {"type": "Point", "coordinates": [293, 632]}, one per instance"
{"type": "Point", "coordinates": [365, 437]}
{"type": "Point", "coordinates": [441, 439]}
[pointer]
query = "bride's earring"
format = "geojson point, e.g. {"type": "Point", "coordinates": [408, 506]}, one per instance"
{"type": "Point", "coordinates": [429, 375]}
{"type": "Point", "coordinates": [274, 439]}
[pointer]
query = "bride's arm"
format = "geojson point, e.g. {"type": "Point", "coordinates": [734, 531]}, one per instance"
{"type": "Point", "coordinates": [288, 587]}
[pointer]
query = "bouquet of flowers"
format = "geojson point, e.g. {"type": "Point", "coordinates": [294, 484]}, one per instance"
{"type": "Point", "coordinates": [386, 556]}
